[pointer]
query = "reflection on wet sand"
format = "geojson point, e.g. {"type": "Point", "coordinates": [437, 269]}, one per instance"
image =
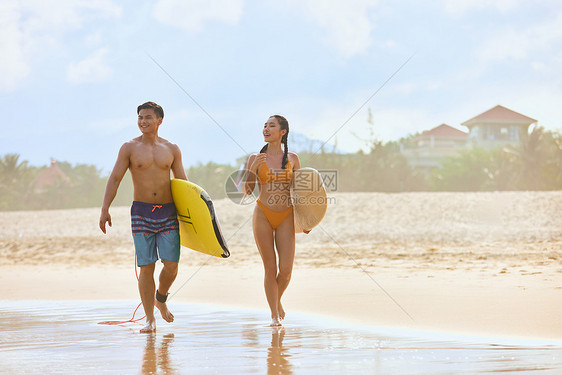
{"type": "Point", "coordinates": [39, 336]}
{"type": "Point", "coordinates": [277, 355]}
{"type": "Point", "coordinates": [157, 358]}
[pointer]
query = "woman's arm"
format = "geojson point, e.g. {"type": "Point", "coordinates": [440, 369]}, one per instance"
{"type": "Point", "coordinates": [254, 162]}
{"type": "Point", "coordinates": [250, 176]}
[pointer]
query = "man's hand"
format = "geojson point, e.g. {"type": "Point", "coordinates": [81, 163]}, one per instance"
{"type": "Point", "coordinates": [105, 217]}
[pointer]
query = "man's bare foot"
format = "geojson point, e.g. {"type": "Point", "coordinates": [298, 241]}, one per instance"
{"type": "Point", "coordinates": [166, 314]}
{"type": "Point", "coordinates": [275, 322]}
{"type": "Point", "coordinates": [280, 311]}
{"type": "Point", "coordinates": [150, 327]}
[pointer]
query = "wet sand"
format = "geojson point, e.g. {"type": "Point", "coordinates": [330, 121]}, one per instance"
{"type": "Point", "coordinates": [64, 338]}
{"type": "Point", "coordinates": [470, 304]}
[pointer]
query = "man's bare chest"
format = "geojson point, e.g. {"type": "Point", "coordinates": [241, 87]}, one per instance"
{"type": "Point", "coordinates": [151, 157]}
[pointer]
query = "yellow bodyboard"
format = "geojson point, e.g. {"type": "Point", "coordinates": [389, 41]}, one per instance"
{"type": "Point", "coordinates": [199, 225]}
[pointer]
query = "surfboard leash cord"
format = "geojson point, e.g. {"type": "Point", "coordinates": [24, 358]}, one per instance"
{"type": "Point", "coordinates": [132, 320]}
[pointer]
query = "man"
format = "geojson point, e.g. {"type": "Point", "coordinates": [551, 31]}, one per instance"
{"type": "Point", "coordinates": [150, 158]}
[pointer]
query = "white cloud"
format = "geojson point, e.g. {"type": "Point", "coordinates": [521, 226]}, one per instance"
{"type": "Point", "coordinates": [93, 39]}
{"type": "Point", "coordinates": [191, 15]}
{"type": "Point", "coordinates": [93, 68]}
{"type": "Point", "coordinates": [390, 44]}
{"type": "Point", "coordinates": [60, 16]}
{"type": "Point", "coordinates": [348, 24]}
{"type": "Point", "coordinates": [13, 65]}
{"type": "Point", "coordinates": [460, 7]}
{"type": "Point", "coordinates": [522, 43]}
{"type": "Point", "coordinates": [504, 45]}
{"type": "Point", "coordinates": [541, 103]}
{"type": "Point", "coordinates": [28, 27]}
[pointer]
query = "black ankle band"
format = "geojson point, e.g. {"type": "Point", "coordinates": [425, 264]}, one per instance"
{"type": "Point", "coordinates": [160, 297]}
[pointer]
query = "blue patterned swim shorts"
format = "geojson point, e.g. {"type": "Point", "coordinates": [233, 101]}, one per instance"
{"type": "Point", "coordinates": [155, 232]}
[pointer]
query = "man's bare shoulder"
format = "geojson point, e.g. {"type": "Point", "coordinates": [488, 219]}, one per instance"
{"type": "Point", "coordinates": [129, 146]}
{"type": "Point", "coordinates": [166, 142]}
{"type": "Point", "coordinates": [132, 142]}
{"type": "Point", "coordinates": [172, 146]}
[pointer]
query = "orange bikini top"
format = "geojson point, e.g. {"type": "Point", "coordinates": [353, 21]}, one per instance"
{"type": "Point", "coordinates": [266, 175]}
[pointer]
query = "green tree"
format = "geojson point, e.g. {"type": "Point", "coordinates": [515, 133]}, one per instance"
{"type": "Point", "coordinates": [553, 167]}
{"type": "Point", "coordinates": [15, 182]}
{"type": "Point", "coordinates": [531, 157]}
{"type": "Point", "coordinates": [385, 169]}
{"type": "Point", "coordinates": [211, 177]}
{"type": "Point", "coordinates": [85, 188]}
{"type": "Point", "coordinates": [470, 171]}
{"type": "Point", "coordinates": [536, 163]}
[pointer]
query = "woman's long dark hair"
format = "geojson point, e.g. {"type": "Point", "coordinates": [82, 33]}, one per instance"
{"type": "Point", "coordinates": [284, 125]}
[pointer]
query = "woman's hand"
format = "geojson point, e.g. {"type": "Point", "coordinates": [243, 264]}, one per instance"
{"type": "Point", "coordinates": [252, 166]}
{"type": "Point", "coordinates": [258, 160]}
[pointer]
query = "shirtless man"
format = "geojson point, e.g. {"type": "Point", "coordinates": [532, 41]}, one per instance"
{"type": "Point", "coordinates": [153, 214]}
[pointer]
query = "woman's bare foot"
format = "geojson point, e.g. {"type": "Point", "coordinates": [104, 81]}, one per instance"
{"type": "Point", "coordinates": [275, 322]}
{"type": "Point", "coordinates": [166, 314]}
{"type": "Point", "coordinates": [280, 311]}
{"type": "Point", "coordinates": [150, 326]}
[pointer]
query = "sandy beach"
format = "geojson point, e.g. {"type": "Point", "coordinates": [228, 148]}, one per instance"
{"type": "Point", "coordinates": [417, 283]}
{"type": "Point", "coordinates": [471, 263]}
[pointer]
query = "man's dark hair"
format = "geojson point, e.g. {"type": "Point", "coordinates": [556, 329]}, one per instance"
{"type": "Point", "coordinates": [157, 109]}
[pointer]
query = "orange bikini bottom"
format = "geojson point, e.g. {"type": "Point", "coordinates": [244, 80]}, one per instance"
{"type": "Point", "coordinates": [275, 218]}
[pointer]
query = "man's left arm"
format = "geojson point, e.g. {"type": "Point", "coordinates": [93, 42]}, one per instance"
{"type": "Point", "coordinates": [177, 165]}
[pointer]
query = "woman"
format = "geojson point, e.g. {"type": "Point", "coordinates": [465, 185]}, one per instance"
{"type": "Point", "coordinates": [273, 220]}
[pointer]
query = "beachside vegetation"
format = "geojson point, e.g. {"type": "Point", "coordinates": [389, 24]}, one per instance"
{"type": "Point", "coordinates": [536, 164]}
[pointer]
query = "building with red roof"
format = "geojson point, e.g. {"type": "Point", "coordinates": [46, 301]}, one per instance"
{"type": "Point", "coordinates": [497, 127]}
{"type": "Point", "coordinates": [51, 176]}
{"type": "Point", "coordinates": [426, 150]}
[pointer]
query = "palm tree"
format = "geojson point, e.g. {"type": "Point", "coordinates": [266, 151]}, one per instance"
{"type": "Point", "coordinates": [11, 169]}
{"type": "Point", "coordinates": [12, 180]}
{"type": "Point", "coordinates": [531, 158]}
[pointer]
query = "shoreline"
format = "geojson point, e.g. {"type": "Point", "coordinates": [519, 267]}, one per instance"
{"type": "Point", "coordinates": [465, 306]}
{"type": "Point", "coordinates": [216, 339]}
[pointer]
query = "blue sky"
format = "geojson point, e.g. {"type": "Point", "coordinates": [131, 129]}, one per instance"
{"type": "Point", "coordinates": [73, 72]}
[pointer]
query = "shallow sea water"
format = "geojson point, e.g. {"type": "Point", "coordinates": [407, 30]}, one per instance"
{"type": "Point", "coordinates": [47, 337]}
